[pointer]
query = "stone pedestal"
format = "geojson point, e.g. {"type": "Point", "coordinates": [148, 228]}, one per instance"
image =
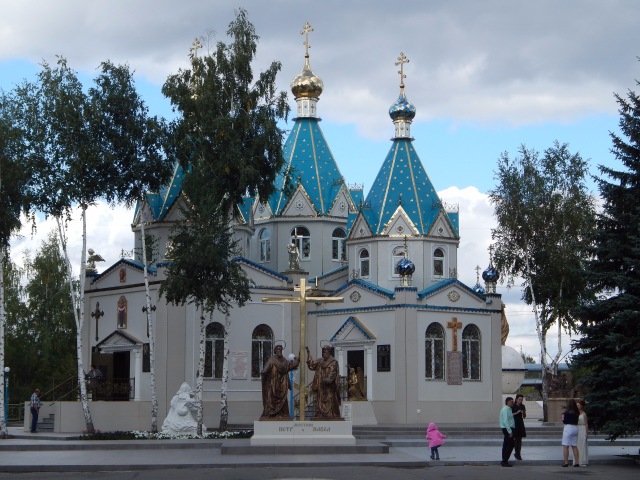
{"type": "Point", "coordinates": [359, 412]}
{"type": "Point", "coordinates": [302, 433]}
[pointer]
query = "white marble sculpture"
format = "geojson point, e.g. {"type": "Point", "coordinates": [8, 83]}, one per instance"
{"type": "Point", "coordinates": [181, 419]}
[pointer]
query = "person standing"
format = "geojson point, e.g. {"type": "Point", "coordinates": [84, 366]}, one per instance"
{"type": "Point", "coordinates": [570, 433]}
{"type": "Point", "coordinates": [583, 433]}
{"type": "Point", "coordinates": [35, 409]}
{"type": "Point", "coordinates": [507, 424]}
{"type": "Point", "coordinates": [436, 439]}
{"type": "Point", "coordinates": [519, 414]}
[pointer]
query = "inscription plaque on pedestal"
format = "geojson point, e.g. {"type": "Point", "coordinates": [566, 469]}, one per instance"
{"type": "Point", "coordinates": [454, 368]}
{"type": "Point", "coordinates": [239, 365]}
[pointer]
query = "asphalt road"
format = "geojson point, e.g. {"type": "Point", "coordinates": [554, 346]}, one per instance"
{"type": "Point", "coordinates": [489, 472]}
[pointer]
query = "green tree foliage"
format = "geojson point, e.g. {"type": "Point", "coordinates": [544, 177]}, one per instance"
{"type": "Point", "coordinates": [608, 348]}
{"type": "Point", "coordinates": [40, 335]}
{"type": "Point", "coordinates": [229, 144]}
{"type": "Point", "coordinates": [84, 147]}
{"type": "Point", "coordinates": [544, 214]}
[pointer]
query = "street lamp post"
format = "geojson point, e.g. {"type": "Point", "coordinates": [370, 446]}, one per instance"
{"type": "Point", "coordinates": [6, 396]}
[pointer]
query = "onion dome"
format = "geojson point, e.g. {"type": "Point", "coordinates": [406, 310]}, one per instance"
{"type": "Point", "coordinates": [405, 267]}
{"type": "Point", "coordinates": [306, 84]}
{"type": "Point", "coordinates": [402, 109]}
{"type": "Point", "coordinates": [490, 275]}
{"type": "Point", "coordinates": [478, 288]}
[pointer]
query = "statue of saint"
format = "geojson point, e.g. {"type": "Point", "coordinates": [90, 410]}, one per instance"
{"type": "Point", "coordinates": [181, 419]}
{"type": "Point", "coordinates": [325, 385]}
{"type": "Point", "coordinates": [276, 385]}
{"type": "Point", "coordinates": [294, 257]}
{"type": "Point", "coordinates": [355, 388]}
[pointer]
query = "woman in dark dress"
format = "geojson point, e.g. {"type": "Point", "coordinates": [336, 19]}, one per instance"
{"type": "Point", "coordinates": [519, 414]}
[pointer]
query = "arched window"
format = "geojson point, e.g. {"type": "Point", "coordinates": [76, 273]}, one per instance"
{"type": "Point", "coordinates": [434, 352]}
{"type": "Point", "coordinates": [261, 348]}
{"type": "Point", "coordinates": [301, 238]}
{"type": "Point", "coordinates": [438, 262]}
{"type": "Point", "coordinates": [265, 245]}
{"type": "Point", "coordinates": [339, 245]}
{"type": "Point", "coordinates": [471, 353]}
{"type": "Point", "coordinates": [396, 255]}
{"type": "Point", "coordinates": [364, 262]}
{"type": "Point", "coordinates": [214, 350]}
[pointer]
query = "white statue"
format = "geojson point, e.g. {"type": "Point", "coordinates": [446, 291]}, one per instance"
{"type": "Point", "coordinates": [294, 257]}
{"type": "Point", "coordinates": [181, 419]}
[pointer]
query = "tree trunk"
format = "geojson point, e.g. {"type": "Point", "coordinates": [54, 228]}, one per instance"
{"type": "Point", "coordinates": [150, 333]}
{"type": "Point", "coordinates": [224, 405]}
{"type": "Point", "coordinates": [200, 376]}
{"type": "Point", "coordinates": [3, 426]}
{"type": "Point", "coordinates": [77, 297]}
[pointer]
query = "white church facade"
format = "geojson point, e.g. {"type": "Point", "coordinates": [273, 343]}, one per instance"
{"type": "Point", "coordinates": [428, 346]}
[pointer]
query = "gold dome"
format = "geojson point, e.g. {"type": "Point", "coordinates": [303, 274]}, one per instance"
{"type": "Point", "coordinates": [306, 84]}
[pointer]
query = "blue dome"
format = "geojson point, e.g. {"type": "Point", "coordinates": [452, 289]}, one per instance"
{"type": "Point", "coordinates": [403, 109]}
{"type": "Point", "coordinates": [490, 274]}
{"type": "Point", "coordinates": [405, 267]}
{"type": "Point", "coordinates": [478, 288]}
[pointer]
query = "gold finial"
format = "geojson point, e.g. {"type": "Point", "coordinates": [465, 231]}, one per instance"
{"type": "Point", "coordinates": [305, 31]}
{"type": "Point", "coordinates": [193, 51]}
{"type": "Point", "coordinates": [402, 59]}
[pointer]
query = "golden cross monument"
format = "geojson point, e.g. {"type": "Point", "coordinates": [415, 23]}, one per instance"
{"type": "Point", "coordinates": [454, 325]}
{"type": "Point", "coordinates": [302, 298]}
{"type": "Point", "coordinates": [402, 59]}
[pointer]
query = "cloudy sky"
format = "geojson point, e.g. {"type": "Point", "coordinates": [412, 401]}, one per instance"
{"type": "Point", "coordinates": [485, 77]}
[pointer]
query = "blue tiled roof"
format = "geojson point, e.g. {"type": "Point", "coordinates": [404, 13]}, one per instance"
{"type": "Point", "coordinates": [372, 287]}
{"type": "Point", "coordinates": [309, 160]}
{"type": "Point", "coordinates": [161, 202]}
{"type": "Point", "coordinates": [262, 268]}
{"type": "Point", "coordinates": [331, 272]}
{"type": "Point", "coordinates": [436, 287]}
{"type": "Point", "coordinates": [402, 180]}
{"type": "Point", "coordinates": [126, 261]}
{"type": "Point", "coordinates": [245, 208]}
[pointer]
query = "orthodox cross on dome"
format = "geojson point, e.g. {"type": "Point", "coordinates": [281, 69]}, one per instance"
{"type": "Point", "coordinates": [305, 31]}
{"type": "Point", "coordinates": [490, 249]}
{"type": "Point", "coordinates": [477, 269]}
{"type": "Point", "coordinates": [195, 46]}
{"type": "Point", "coordinates": [302, 299]}
{"type": "Point", "coordinates": [402, 59]}
{"type": "Point", "coordinates": [454, 325]}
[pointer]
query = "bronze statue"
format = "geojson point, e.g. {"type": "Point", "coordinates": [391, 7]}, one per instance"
{"type": "Point", "coordinates": [355, 384]}
{"type": "Point", "coordinates": [325, 385]}
{"type": "Point", "coordinates": [276, 385]}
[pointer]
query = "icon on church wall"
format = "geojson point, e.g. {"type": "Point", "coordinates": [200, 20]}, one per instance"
{"type": "Point", "coordinates": [123, 275]}
{"type": "Point", "coordinates": [122, 312]}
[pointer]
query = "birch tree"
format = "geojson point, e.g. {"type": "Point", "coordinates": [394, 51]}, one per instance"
{"type": "Point", "coordinates": [545, 215]}
{"type": "Point", "coordinates": [228, 141]}
{"type": "Point", "coordinates": [13, 202]}
{"type": "Point", "coordinates": [83, 148]}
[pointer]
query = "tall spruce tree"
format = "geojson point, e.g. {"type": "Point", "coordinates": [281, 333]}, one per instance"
{"type": "Point", "coordinates": [544, 213]}
{"type": "Point", "coordinates": [610, 327]}
{"type": "Point", "coordinates": [228, 141]}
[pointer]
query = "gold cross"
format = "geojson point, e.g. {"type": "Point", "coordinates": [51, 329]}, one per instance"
{"type": "Point", "coordinates": [402, 59]}
{"type": "Point", "coordinates": [305, 31]}
{"type": "Point", "coordinates": [302, 298]}
{"type": "Point", "coordinates": [193, 51]}
{"type": "Point", "coordinates": [454, 325]}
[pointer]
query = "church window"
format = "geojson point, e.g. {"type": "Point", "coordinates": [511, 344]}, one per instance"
{"type": "Point", "coordinates": [364, 262]}
{"type": "Point", "coordinates": [339, 245]}
{"type": "Point", "coordinates": [261, 348]}
{"type": "Point", "coordinates": [384, 358]}
{"type": "Point", "coordinates": [214, 350]}
{"type": "Point", "coordinates": [396, 255]}
{"type": "Point", "coordinates": [265, 245]}
{"type": "Point", "coordinates": [302, 240]}
{"type": "Point", "coordinates": [438, 262]}
{"type": "Point", "coordinates": [471, 353]}
{"type": "Point", "coordinates": [434, 352]}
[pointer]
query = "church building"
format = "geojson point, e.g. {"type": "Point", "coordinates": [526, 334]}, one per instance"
{"type": "Point", "coordinates": [426, 347]}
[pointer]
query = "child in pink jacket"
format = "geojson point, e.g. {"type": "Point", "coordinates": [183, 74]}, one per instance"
{"type": "Point", "coordinates": [435, 440]}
